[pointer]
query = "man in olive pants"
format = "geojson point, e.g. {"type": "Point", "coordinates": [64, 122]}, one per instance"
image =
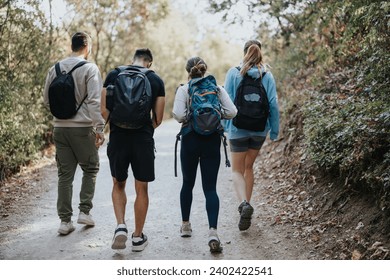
{"type": "Point", "coordinates": [78, 137]}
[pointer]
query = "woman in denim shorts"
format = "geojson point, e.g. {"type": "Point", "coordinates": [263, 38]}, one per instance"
{"type": "Point", "coordinates": [245, 144]}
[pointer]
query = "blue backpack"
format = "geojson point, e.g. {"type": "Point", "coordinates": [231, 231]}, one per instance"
{"type": "Point", "coordinates": [205, 107]}
{"type": "Point", "coordinates": [205, 111]}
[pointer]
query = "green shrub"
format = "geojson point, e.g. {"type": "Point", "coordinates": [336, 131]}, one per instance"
{"type": "Point", "coordinates": [24, 58]}
{"type": "Point", "coordinates": [347, 121]}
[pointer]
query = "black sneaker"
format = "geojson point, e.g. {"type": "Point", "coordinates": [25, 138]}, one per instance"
{"type": "Point", "coordinates": [245, 216]}
{"type": "Point", "coordinates": [241, 205]}
{"type": "Point", "coordinates": [139, 242]}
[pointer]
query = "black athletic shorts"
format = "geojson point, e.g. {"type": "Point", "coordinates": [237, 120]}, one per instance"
{"type": "Point", "coordinates": [131, 147]}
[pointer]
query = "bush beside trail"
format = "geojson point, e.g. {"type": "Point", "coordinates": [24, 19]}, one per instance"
{"type": "Point", "coordinates": [332, 66]}
{"type": "Point", "coordinates": [347, 117]}
{"type": "Point", "coordinates": [24, 57]}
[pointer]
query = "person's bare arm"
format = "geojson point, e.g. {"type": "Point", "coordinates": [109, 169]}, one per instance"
{"type": "Point", "coordinates": [105, 113]}
{"type": "Point", "coordinates": [158, 111]}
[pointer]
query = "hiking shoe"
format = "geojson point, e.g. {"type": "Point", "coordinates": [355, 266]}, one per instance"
{"type": "Point", "coordinates": [245, 216]}
{"type": "Point", "coordinates": [186, 230]}
{"type": "Point", "coordinates": [214, 242]}
{"type": "Point", "coordinates": [139, 242]}
{"type": "Point", "coordinates": [241, 205]}
{"type": "Point", "coordinates": [85, 219]}
{"type": "Point", "coordinates": [66, 228]}
{"type": "Point", "coordinates": [120, 237]}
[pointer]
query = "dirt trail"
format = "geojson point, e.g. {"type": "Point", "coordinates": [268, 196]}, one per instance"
{"type": "Point", "coordinates": [29, 229]}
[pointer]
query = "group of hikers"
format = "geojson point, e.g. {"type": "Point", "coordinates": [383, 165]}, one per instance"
{"type": "Point", "coordinates": [132, 100]}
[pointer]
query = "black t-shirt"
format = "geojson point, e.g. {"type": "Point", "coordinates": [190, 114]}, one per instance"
{"type": "Point", "coordinates": [158, 89]}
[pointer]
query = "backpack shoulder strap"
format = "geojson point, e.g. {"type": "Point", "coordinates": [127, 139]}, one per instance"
{"type": "Point", "coordinates": [224, 142]}
{"type": "Point", "coordinates": [81, 63]}
{"type": "Point", "coordinates": [178, 87]}
{"type": "Point", "coordinates": [262, 75]}
{"type": "Point", "coordinates": [178, 138]}
{"type": "Point", "coordinates": [131, 67]}
{"type": "Point", "coordinates": [146, 71]}
{"type": "Point", "coordinates": [122, 68]}
{"type": "Point", "coordinates": [58, 69]}
{"type": "Point", "coordinates": [211, 78]}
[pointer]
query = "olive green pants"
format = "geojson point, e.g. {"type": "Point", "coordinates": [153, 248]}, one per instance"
{"type": "Point", "coordinates": [75, 146]}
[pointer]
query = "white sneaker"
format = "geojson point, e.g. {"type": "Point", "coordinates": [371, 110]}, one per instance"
{"type": "Point", "coordinates": [66, 228]}
{"type": "Point", "coordinates": [214, 243]}
{"type": "Point", "coordinates": [120, 237]}
{"type": "Point", "coordinates": [186, 230]}
{"type": "Point", "coordinates": [85, 219]}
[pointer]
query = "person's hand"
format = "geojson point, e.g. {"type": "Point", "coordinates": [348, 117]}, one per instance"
{"type": "Point", "coordinates": [99, 139]}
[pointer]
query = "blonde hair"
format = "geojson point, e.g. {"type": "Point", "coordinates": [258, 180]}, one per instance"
{"type": "Point", "coordinates": [253, 57]}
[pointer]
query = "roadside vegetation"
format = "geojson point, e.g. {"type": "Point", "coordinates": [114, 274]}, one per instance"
{"type": "Point", "coordinates": [331, 61]}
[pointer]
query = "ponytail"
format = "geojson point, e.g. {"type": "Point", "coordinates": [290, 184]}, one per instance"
{"type": "Point", "coordinates": [253, 57]}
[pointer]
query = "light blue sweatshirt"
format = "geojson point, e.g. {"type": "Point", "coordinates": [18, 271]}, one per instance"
{"type": "Point", "coordinates": [232, 80]}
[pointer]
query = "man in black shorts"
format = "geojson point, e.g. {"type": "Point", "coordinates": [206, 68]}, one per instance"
{"type": "Point", "coordinates": [133, 147]}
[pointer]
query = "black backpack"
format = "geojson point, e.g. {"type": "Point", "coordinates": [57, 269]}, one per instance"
{"type": "Point", "coordinates": [130, 99]}
{"type": "Point", "coordinates": [252, 104]}
{"type": "Point", "coordinates": [62, 99]}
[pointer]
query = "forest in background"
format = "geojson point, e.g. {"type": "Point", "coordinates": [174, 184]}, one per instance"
{"type": "Point", "coordinates": [330, 60]}
{"type": "Point", "coordinates": [31, 42]}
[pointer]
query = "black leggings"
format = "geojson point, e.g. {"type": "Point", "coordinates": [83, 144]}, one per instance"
{"type": "Point", "coordinates": [197, 148]}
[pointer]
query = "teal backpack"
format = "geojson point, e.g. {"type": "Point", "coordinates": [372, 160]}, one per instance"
{"type": "Point", "coordinates": [205, 107]}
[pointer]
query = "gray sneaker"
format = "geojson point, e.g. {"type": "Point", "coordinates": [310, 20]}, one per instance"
{"type": "Point", "coordinates": [85, 219]}
{"type": "Point", "coordinates": [186, 230]}
{"type": "Point", "coordinates": [66, 228]}
{"type": "Point", "coordinates": [245, 216]}
{"type": "Point", "coordinates": [214, 242]}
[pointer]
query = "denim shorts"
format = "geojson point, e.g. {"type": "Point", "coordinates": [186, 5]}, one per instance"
{"type": "Point", "coordinates": [244, 144]}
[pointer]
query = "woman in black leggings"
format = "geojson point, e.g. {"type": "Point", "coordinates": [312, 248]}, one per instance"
{"type": "Point", "coordinates": [204, 149]}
